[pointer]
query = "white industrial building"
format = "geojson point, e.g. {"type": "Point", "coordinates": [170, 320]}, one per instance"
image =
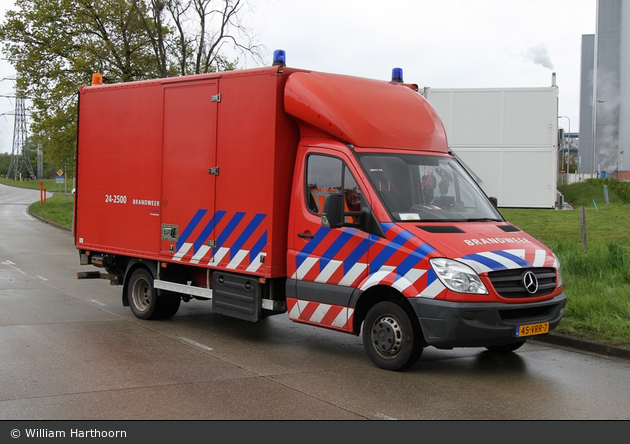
{"type": "Point", "coordinates": [507, 138]}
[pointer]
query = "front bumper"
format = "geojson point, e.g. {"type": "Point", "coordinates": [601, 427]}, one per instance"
{"type": "Point", "coordinates": [463, 324]}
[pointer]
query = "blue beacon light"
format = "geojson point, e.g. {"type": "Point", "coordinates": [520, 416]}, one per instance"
{"type": "Point", "coordinates": [397, 75]}
{"type": "Point", "coordinates": [279, 58]}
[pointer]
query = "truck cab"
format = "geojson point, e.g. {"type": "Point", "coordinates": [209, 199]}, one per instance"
{"type": "Point", "coordinates": [391, 236]}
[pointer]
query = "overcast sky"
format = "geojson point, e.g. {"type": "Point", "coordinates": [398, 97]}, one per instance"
{"type": "Point", "coordinates": [437, 43]}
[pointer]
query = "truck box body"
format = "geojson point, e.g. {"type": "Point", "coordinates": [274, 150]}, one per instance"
{"type": "Point", "coordinates": [331, 198]}
{"type": "Point", "coordinates": [145, 164]}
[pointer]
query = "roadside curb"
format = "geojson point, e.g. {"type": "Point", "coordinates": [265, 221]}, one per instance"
{"type": "Point", "coordinates": [61, 227]}
{"type": "Point", "coordinates": [616, 351]}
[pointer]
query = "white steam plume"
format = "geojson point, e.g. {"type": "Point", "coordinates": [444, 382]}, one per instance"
{"type": "Point", "coordinates": [539, 55]}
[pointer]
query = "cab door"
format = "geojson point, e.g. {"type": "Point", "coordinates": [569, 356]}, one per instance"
{"type": "Point", "coordinates": [327, 264]}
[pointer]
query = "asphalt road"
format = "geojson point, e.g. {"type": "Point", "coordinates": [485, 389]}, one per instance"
{"type": "Point", "coordinates": [69, 350]}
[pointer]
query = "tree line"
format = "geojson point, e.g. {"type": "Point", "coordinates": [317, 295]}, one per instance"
{"type": "Point", "coordinates": [56, 45]}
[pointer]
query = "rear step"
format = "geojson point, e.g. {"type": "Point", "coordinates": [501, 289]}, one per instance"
{"type": "Point", "coordinates": [114, 279]}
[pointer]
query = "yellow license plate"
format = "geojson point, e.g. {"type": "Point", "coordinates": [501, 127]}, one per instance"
{"type": "Point", "coordinates": [532, 329]}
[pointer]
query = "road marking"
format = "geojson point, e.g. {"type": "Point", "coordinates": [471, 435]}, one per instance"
{"type": "Point", "coordinates": [42, 278]}
{"type": "Point", "coordinates": [13, 265]}
{"type": "Point", "coordinates": [97, 302]}
{"type": "Point", "coordinates": [195, 343]}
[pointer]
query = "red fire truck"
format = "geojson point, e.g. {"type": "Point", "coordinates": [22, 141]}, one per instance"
{"type": "Point", "coordinates": [331, 198]}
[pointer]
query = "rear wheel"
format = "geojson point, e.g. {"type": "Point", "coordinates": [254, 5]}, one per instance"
{"type": "Point", "coordinates": [392, 338]}
{"type": "Point", "coordinates": [171, 304]}
{"type": "Point", "coordinates": [144, 301]}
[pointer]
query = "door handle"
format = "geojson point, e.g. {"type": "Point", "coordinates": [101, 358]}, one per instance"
{"type": "Point", "coordinates": [306, 235]}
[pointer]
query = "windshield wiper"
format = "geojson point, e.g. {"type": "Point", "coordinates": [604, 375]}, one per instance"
{"type": "Point", "coordinates": [483, 219]}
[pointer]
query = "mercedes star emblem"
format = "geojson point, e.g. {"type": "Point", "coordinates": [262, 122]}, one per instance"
{"type": "Point", "coordinates": [530, 282]}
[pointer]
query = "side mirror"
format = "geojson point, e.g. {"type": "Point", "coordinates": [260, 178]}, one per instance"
{"type": "Point", "coordinates": [494, 202]}
{"type": "Point", "coordinates": [333, 214]}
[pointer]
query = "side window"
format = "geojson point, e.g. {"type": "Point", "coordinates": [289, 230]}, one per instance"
{"type": "Point", "coordinates": [326, 175]}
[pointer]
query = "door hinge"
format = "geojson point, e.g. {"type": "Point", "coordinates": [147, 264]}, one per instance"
{"type": "Point", "coordinates": [214, 171]}
{"type": "Point", "coordinates": [215, 98]}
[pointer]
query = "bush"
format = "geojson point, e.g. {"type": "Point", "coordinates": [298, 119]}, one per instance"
{"type": "Point", "coordinates": [622, 189]}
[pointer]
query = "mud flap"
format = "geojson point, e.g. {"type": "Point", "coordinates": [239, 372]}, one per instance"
{"type": "Point", "coordinates": [236, 295]}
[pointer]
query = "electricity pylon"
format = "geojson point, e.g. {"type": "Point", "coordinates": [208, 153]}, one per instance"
{"type": "Point", "coordinates": [20, 155]}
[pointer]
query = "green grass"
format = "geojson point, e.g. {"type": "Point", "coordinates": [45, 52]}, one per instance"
{"type": "Point", "coordinates": [57, 209]}
{"type": "Point", "coordinates": [596, 280]}
{"type": "Point", "coordinates": [608, 222]}
{"type": "Point", "coordinates": [597, 284]}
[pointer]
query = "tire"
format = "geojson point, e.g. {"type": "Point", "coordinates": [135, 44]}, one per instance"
{"type": "Point", "coordinates": [143, 298]}
{"type": "Point", "coordinates": [391, 337]}
{"type": "Point", "coordinates": [172, 302]}
{"type": "Point", "coordinates": [506, 348]}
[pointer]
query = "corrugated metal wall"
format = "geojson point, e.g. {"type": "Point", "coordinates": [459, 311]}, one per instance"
{"type": "Point", "coordinates": [508, 137]}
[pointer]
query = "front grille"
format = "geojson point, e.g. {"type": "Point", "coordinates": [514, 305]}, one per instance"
{"type": "Point", "coordinates": [510, 284]}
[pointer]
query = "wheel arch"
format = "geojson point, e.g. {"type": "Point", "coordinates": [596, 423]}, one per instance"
{"type": "Point", "coordinates": [372, 296]}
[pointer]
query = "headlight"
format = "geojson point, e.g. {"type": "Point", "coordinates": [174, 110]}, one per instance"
{"type": "Point", "coordinates": [560, 283]}
{"type": "Point", "coordinates": [457, 276]}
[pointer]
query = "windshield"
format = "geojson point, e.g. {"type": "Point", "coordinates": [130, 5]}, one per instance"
{"type": "Point", "coordinates": [427, 188]}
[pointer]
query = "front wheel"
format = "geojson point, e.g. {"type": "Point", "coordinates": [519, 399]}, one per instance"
{"type": "Point", "coordinates": [392, 339]}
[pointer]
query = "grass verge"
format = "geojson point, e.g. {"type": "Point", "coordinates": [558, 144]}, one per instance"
{"type": "Point", "coordinates": [57, 209]}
